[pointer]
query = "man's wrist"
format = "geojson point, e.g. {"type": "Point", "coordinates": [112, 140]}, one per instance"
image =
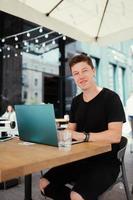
{"type": "Point", "coordinates": [87, 136]}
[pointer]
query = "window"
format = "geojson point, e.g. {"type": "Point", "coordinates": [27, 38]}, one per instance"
{"type": "Point", "coordinates": [112, 76]}
{"type": "Point", "coordinates": [25, 94]}
{"type": "Point", "coordinates": [36, 81]}
{"type": "Point", "coordinates": [121, 83]}
{"type": "Point", "coordinates": [36, 94]}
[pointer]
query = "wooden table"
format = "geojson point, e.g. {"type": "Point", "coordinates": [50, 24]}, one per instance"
{"type": "Point", "coordinates": [18, 159]}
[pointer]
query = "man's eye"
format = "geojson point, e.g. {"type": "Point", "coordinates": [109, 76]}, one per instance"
{"type": "Point", "coordinates": [75, 74]}
{"type": "Point", "coordinates": [85, 70]}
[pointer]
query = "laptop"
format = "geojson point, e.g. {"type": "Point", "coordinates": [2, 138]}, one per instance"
{"type": "Point", "coordinates": [36, 123]}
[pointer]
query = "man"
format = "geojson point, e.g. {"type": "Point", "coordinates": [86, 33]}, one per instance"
{"type": "Point", "coordinates": [96, 114]}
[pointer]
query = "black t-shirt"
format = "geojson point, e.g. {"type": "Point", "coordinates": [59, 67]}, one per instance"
{"type": "Point", "coordinates": [94, 116]}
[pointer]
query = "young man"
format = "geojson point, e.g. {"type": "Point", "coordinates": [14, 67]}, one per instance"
{"type": "Point", "coordinates": [96, 114]}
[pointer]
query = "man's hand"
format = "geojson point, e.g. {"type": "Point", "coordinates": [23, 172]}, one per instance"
{"type": "Point", "coordinates": [78, 136]}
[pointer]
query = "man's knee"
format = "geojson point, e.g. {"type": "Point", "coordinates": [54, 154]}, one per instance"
{"type": "Point", "coordinates": [75, 196]}
{"type": "Point", "coordinates": [43, 183]}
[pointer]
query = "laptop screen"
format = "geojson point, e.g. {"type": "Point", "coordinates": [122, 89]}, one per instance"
{"type": "Point", "coordinates": [36, 123]}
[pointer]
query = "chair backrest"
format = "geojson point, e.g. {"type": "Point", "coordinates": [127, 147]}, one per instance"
{"type": "Point", "coordinates": [122, 148]}
{"type": "Point", "coordinates": [122, 175]}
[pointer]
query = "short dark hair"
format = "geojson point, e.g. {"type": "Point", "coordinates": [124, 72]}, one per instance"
{"type": "Point", "coordinates": [81, 58]}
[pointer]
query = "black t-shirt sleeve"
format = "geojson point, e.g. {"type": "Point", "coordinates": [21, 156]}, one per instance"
{"type": "Point", "coordinates": [114, 109]}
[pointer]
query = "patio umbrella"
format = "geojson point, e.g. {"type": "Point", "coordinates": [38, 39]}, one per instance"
{"type": "Point", "coordinates": [101, 21]}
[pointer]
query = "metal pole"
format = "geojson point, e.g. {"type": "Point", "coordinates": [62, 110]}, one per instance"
{"type": "Point", "coordinates": [62, 77]}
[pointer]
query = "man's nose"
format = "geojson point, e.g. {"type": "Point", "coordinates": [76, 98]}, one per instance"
{"type": "Point", "coordinates": [81, 74]}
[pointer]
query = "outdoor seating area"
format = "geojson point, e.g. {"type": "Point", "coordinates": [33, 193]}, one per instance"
{"type": "Point", "coordinates": [66, 100]}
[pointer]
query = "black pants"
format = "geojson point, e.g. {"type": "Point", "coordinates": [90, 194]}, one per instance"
{"type": "Point", "coordinates": [91, 179]}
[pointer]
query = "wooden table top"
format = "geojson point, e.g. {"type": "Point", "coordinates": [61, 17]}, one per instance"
{"type": "Point", "coordinates": [19, 159]}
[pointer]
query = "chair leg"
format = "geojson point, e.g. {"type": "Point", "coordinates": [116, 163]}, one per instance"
{"type": "Point", "coordinates": [125, 182]}
{"type": "Point", "coordinates": [5, 186]}
{"type": "Point", "coordinates": [131, 145]}
{"type": "Point", "coordinates": [41, 173]}
{"type": "Point", "coordinates": [132, 189]}
{"type": "Point", "coordinates": [131, 148]}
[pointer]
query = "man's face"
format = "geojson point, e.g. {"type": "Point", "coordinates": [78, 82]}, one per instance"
{"type": "Point", "coordinates": [83, 75]}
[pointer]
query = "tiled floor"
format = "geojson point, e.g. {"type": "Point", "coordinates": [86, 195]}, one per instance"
{"type": "Point", "coordinates": [117, 193]}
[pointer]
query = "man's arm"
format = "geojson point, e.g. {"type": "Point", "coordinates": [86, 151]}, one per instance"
{"type": "Point", "coordinates": [72, 126]}
{"type": "Point", "coordinates": [75, 135]}
{"type": "Point", "coordinates": [111, 135]}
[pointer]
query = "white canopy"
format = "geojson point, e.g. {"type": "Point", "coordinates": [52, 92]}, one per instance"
{"type": "Point", "coordinates": [103, 21]}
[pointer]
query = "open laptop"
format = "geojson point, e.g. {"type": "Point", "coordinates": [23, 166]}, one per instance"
{"type": "Point", "coordinates": [36, 123]}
